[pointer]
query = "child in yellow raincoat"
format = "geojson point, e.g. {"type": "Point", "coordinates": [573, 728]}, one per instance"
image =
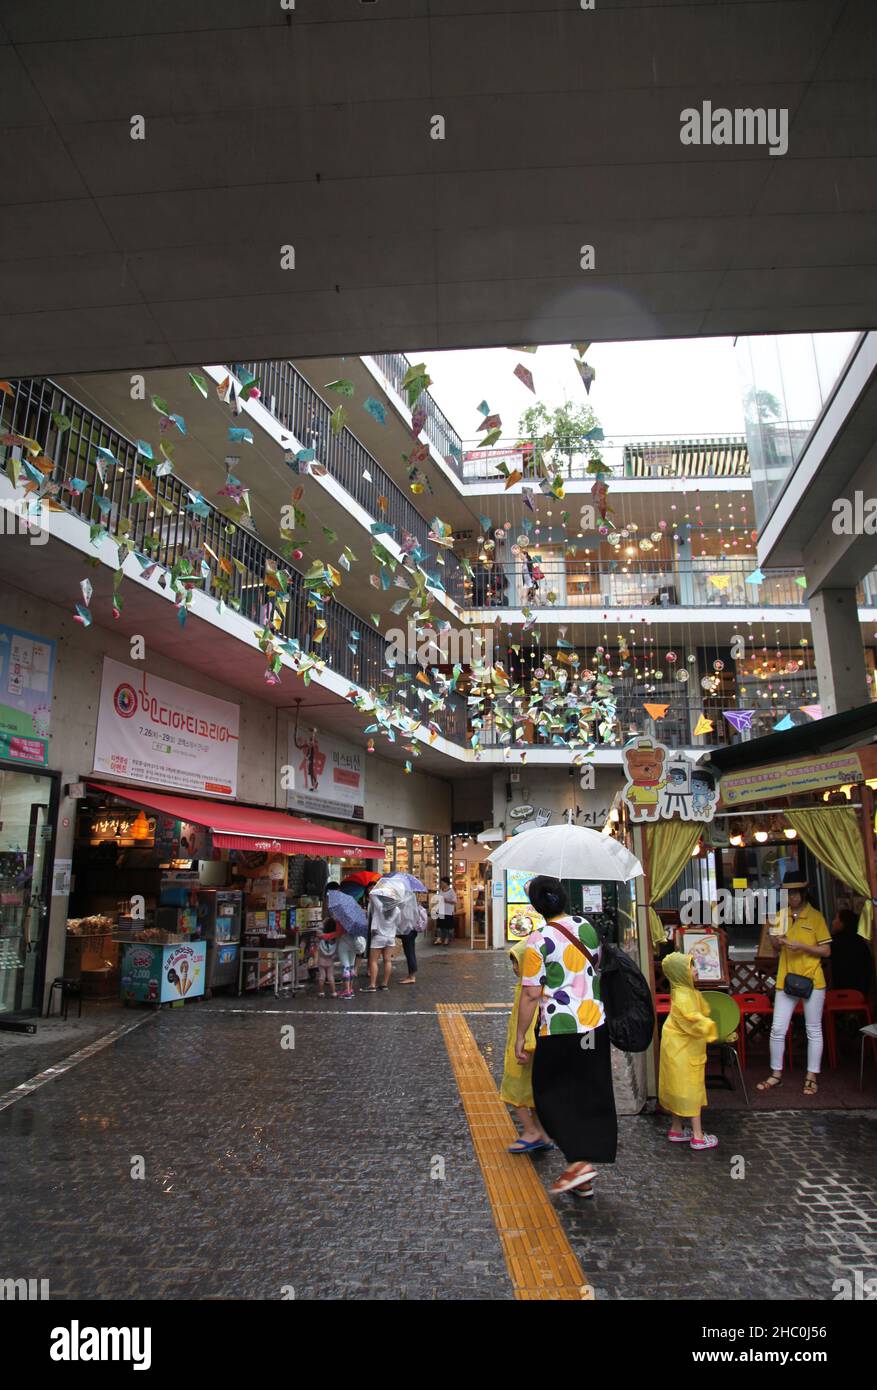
{"type": "Point", "coordinates": [688, 1029]}
{"type": "Point", "coordinates": [517, 1080]}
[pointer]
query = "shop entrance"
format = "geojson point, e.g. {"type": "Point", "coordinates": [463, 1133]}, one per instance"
{"type": "Point", "coordinates": [25, 855]}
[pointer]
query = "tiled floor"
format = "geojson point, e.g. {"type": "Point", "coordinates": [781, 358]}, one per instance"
{"type": "Point", "coordinates": [342, 1166]}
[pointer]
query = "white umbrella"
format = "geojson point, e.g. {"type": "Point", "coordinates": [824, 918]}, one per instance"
{"type": "Point", "coordinates": [567, 851]}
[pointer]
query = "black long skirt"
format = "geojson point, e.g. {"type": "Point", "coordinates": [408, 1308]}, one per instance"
{"type": "Point", "coordinates": [575, 1102]}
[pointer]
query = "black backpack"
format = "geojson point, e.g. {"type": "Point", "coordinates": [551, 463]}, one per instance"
{"type": "Point", "coordinates": [627, 999]}
{"type": "Point", "coordinates": [624, 993]}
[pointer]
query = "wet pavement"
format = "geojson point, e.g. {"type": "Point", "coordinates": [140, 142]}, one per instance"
{"type": "Point", "coordinates": [322, 1147]}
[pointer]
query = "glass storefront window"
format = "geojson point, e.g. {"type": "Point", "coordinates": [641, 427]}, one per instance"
{"type": "Point", "coordinates": [25, 800]}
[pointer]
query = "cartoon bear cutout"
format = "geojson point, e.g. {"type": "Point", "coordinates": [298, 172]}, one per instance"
{"type": "Point", "coordinates": [644, 763]}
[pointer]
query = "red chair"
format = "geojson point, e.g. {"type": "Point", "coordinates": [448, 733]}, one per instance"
{"type": "Point", "coordinates": [842, 1001]}
{"type": "Point", "coordinates": [754, 1006]}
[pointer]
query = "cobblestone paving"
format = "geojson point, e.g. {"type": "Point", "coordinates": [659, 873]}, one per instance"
{"type": "Point", "coordinates": [268, 1167]}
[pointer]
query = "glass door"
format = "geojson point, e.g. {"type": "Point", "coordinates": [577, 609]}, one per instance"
{"type": "Point", "coordinates": [25, 803]}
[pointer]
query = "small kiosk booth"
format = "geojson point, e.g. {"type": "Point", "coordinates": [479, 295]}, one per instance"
{"type": "Point", "coordinates": [802, 799]}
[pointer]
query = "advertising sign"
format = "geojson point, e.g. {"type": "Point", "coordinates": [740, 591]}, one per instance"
{"type": "Point", "coordinates": [141, 973]}
{"type": "Point", "coordinates": [153, 730]}
{"type": "Point", "coordinates": [788, 779]}
{"type": "Point", "coordinates": [27, 667]}
{"type": "Point", "coordinates": [663, 785]}
{"type": "Point", "coordinates": [183, 971]}
{"type": "Point", "coordinates": [328, 776]}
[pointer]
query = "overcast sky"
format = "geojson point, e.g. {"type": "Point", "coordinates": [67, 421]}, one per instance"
{"type": "Point", "coordinates": [680, 387]}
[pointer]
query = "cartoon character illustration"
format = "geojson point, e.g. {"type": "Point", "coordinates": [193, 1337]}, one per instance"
{"type": "Point", "coordinates": [705, 965]}
{"type": "Point", "coordinates": [703, 794]}
{"type": "Point", "coordinates": [677, 793]}
{"type": "Point", "coordinates": [644, 762]}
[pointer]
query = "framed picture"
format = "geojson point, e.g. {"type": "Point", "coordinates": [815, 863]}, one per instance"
{"type": "Point", "coordinates": [710, 952]}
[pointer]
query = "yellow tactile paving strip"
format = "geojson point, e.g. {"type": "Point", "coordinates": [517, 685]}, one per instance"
{"type": "Point", "coordinates": [540, 1260]}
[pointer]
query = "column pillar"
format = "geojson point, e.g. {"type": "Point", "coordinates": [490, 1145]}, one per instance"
{"type": "Point", "coordinates": [838, 650]}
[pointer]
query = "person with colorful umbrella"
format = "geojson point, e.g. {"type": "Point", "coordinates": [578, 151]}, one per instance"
{"type": "Point", "coordinates": [351, 918]}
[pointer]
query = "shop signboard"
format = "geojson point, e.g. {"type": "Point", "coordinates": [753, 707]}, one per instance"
{"type": "Point", "coordinates": [155, 731]}
{"type": "Point", "coordinates": [791, 778]}
{"type": "Point", "coordinates": [27, 668]}
{"type": "Point", "coordinates": [328, 776]}
{"type": "Point", "coordinates": [663, 785]}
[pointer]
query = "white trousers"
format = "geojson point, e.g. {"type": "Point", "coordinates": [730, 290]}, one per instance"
{"type": "Point", "coordinates": [783, 1008]}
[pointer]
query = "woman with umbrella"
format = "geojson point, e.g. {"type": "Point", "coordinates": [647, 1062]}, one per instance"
{"type": "Point", "coordinates": [572, 1075]}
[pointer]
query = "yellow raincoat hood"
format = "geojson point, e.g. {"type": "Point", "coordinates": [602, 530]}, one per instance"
{"type": "Point", "coordinates": [677, 969]}
{"type": "Point", "coordinates": [516, 953]}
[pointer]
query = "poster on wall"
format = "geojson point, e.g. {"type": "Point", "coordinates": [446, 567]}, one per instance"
{"type": "Point", "coordinates": [663, 785]}
{"type": "Point", "coordinates": [328, 775]}
{"type": "Point", "coordinates": [153, 730]}
{"type": "Point", "coordinates": [27, 668]}
{"type": "Point", "coordinates": [521, 918]}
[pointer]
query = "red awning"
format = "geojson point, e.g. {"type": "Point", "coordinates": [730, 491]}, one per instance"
{"type": "Point", "coordinates": [249, 827]}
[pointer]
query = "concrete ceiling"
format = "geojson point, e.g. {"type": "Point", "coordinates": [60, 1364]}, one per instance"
{"type": "Point", "coordinates": [310, 127]}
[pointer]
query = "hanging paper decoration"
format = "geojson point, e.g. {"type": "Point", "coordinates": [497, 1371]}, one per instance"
{"type": "Point", "coordinates": [740, 719]}
{"type": "Point", "coordinates": [587, 375]}
{"type": "Point", "coordinates": [785, 723]}
{"type": "Point", "coordinates": [375, 409]}
{"type": "Point", "coordinates": [525, 376]}
{"type": "Point", "coordinates": [719, 581]}
{"type": "Point", "coordinates": [756, 577]}
{"type": "Point", "coordinates": [703, 726]}
{"type": "Point", "coordinates": [814, 711]}
{"type": "Point", "coordinates": [656, 711]}
{"type": "Point", "coordinates": [341, 387]}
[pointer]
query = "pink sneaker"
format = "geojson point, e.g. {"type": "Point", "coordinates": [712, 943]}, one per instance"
{"type": "Point", "coordinates": [682, 1138]}
{"type": "Point", "coordinates": [709, 1141]}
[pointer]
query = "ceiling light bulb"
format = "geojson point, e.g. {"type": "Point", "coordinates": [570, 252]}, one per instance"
{"type": "Point", "coordinates": [790, 834]}
{"type": "Point", "coordinates": [761, 836]}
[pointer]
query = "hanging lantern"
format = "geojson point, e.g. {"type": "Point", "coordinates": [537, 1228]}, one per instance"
{"type": "Point", "coordinates": [682, 676]}
{"type": "Point", "coordinates": [671, 657]}
{"type": "Point", "coordinates": [718, 665]}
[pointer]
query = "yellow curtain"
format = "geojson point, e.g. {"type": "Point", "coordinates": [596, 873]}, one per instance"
{"type": "Point", "coordinates": [668, 844]}
{"type": "Point", "coordinates": [834, 837]}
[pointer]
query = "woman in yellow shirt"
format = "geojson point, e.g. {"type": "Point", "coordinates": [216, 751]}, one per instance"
{"type": "Point", "coordinates": [804, 941]}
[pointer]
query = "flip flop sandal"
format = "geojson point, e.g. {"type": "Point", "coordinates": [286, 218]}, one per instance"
{"type": "Point", "coordinates": [770, 1084]}
{"type": "Point", "coordinates": [683, 1137]}
{"type": "Point", "coordinates": [564, 1184]}
{"type": "Point", "coordinates": [369, 989]}
{"type": "Point", "coordinates": [709, 1141]}
{"type": "Point", "coordinates": [528, 1146]}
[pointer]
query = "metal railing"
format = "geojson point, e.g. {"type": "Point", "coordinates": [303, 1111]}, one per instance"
{"type": "Point", "coordinates": [675, 729]}
{"type": "Point", "coordinates": [713, 583]}
{"type": "Point", "coordinates": [621, 456]}
{"type": "Point", "coordinates": [438, 428]}
{"type": "Point", "coordinates": [300, 409]}
{"type": "Point", "coordinates": [174, 527]}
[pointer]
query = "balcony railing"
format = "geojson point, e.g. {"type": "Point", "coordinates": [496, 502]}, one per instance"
{"type": "Point", "coordinates": [438, 428]}
{"type": "Point", "coordinates": [302, 411]}
{"type": "Point", "coordinates": [174, 527]}
{"type": "Point", "coordinates": [601, 584]}
{"type": "Point", "coordinates": [675, 729]}
{"type": "Point", "coordinates": [622, 456]}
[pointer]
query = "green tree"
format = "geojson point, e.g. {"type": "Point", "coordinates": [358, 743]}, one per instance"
{"type": "Point", "coordinates": [559, 434]}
